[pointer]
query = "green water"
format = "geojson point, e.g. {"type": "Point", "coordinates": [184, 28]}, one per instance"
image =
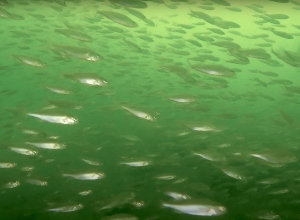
{"type": "Point", "coordinates": [149, 109]}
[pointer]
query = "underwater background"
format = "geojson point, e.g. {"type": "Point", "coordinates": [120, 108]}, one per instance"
{"type": "Point", "coordinates": [131, 109]}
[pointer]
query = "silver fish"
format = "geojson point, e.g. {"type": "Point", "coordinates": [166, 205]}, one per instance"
{"type": "Point", "coordinates": [70, 208]}
{"type": "Point", "coordinates": [23, 151]}
{"type": "Point", "coordinates": [50, 146]}
{"type": "Point", "coordinates": [58, 119]}
{"type": "Point", "coordinates": [85, 176]}
{"type": "Point", "coordinates": [199, 208]}
{"type": "Point", "coordinates": [139, 113]}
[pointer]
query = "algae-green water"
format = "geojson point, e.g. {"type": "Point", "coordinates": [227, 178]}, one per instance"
{"type": "Point", "coordinates": [158, 109]}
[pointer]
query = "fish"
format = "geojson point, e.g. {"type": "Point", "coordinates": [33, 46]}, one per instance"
{"type": "Point", "coordinates": [197, 208]}
{"type": "Point", "coordinates": [45, 145]}
{"type": "Point", "coordinates": [57, 119]}
{"type": "Point", "coordinates": [130, 3]}
{"type": "Point", "coordinates": [136, 163]}
{"type": "Point", "coordinates": [119, 18]}
{"type": "Point", "coordinates": [139, 113]}
{"type": "Point", "coordinates": [70, 208]}
{"type": "Point", "coordinates": [75, 34]}
{"type": "Point", "coordinates": [23, 151]}
{"type": "Point", "coordinates": [36, 182]}
{"type": "Point", "coordinates": [85, 176]}
{"type": "Point", "coordinates": [214, 70]}
{"type": "Point", "coordinates": [81, 53]}
{"type": "Point", "coordinates": [59, 90]}
{"type": "Point", "coordinates": [30, 61]}
{"type": "Point", "coordinates": [7, 165]}
{"type": "Point", "coordinates": [87, 78]}
{"type": "Point", "coordinates": [177, 196]}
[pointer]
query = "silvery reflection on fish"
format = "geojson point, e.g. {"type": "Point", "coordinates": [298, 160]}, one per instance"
{"type": "Point", "coordinates": [202, 126]}
{"type": "Point", "coordinates": [139, 113]}
{"type": "Point", "coordinates": [87, 78]}
{"type": "Point", "coordinates": [45, 145]}
{"type": "Point", "coordinates": [210, 155]}
{"type": "Point", "coordinates": [91, 162]}
{"type": "Point", "coordinates": [275, 156]}
{"type": "Point", "coordinates": [69, 208]}
{"type": "Point", "coordinates": [137, 163]}
{"type": "Point", "coordinates": [27, 169]}
{"type": "Point", "coordinates": [29, 60]}
{"type": "Point", "coordinates": [36, 182]}
{"type": "Point", "coordinates": [182, 98]}
{"type": "Point", "coordinates": [59, 90]}
{"type": "Point", "coordinates": [81, 53]}
{"type": "Point", "coordinates": [11, 185]}
{"type": "Point", "coordinates": [85, 176]}
{"type": "Point", "coordinates": [196, 207]}
{"type": "Point", "coordinates": [7, 165]}
{"type": "Point", "coordinates": [57, 119]}
{"type": "Point", "coordinates": [23, 151]}
{"type": "Point", "coordinates": [177, 196]}
{"type": "Point", "coordinates": [85, 193]}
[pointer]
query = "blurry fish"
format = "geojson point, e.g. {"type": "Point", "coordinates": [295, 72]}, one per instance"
{"type": "Point", "coordinates": [85, 193]}
{"type": "Point", "coordinates": [196, 207]}
{"type": "Point", "coordinates": [29, 60]}
{"type": "Point", "coordinates": [57, 119]}
{"type": "Point", "coordinates": [85, 176]}
{"type": "Point", "coordinates": [82, 53]}
{"type": "Point", "coordinates": [71, 208]}
{"type": "Point", "coordinates": [177, 196]}
{"type": "Point", "coordinates": [58, 90]}
{"type": "Point", "coordinates": [11, 185]}
{"type": "Point", "coordinates": [130, 3]}
{"type": "Point", "coordinates": [45, 145]}
{"type": "Point", "coordinates": [136, 163]}
{"type": "Point", "coordinates": [36, 182]}
{"type": "Point", "coordinates": [7, 165]}
{"type": "Point", "coordinates": [23, 151]}
{"type": "Point", "coordinates": [91, 162]}
{"type": "Point", "coordinates": [119, 18]}
{"type": "Point", "coordinates": [87, 78]}
{"type": "Point", "coordinates": [139, 113]}
{"type": "Point", "coordinates": [78, 35]}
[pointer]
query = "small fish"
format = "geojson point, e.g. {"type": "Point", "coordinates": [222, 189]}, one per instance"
{"type": "Point", "coordinates": [29, 60]}
{"type": "Point", "coordinates": [85, 193]}
{"type": "Point", "coordinates": [90, 162]}
{"type": "Point", "coordinates": [37, 182]}
{"type": "Point", "coordinates": [177, 196]}
{"type": "Point", "coordinates": [85, 176]}
{"type": "Point", "coordinates": [11, 185]}
{"type": "Point", "coordinates": [70, 208]}
{"type": "Point", "coordinates": [77, 52]}
{"type": "Point", "coordinates": [23, 151]}
{"type": "Point", "coordinates": [50, 146]}
{"type": "Point", "coordinates": [198, 208]}
{"type": "Point", "coordinates": [59, 90]}
{"type": "Point", "coordinates": [139, 113]}
{"type": "Point", "coordinates": [58, 119]}
{"type": "Point", "coordinates": [77, 35]}
{"type": "Point", "coordinates": [7, 165]}
{"type": "Point", "coordinates": [87, 78]}
{"type": "Point", "coordinates": [137, 163]}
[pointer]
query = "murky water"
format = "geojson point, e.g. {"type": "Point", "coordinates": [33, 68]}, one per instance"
{"type": "Point", "coordinates": [149, 109]}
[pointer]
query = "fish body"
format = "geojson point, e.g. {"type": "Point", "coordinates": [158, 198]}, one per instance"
{"type": "Point", "coordinates": [85, 176]}
{"type": "Point", "coordinates": [81, 53]}
{"type": "Point", "coordinates": [30, 61]}
{"type": "Point", "coordinates": [139, 113]}
{"type": "Point", "coordinates": [57, 119]}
